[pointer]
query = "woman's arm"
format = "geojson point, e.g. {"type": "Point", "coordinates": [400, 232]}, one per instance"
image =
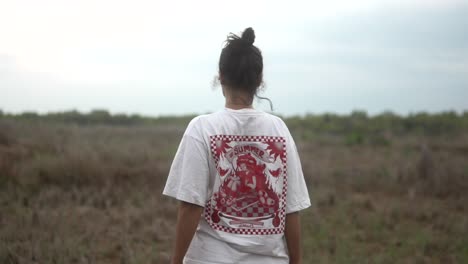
{"type": "Point", "coordinates": [187, 222]}
{"type": "Point", "coordinates": [293, 237]}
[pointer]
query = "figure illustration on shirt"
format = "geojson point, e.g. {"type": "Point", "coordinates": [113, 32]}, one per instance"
{"type": "Point", "coordinates": [245, 197]}
{"type": "Point", "coordinates": [248, 182]}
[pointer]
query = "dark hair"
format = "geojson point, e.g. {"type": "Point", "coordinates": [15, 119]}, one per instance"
{"type": "Point", "coordinates": [241, 64]}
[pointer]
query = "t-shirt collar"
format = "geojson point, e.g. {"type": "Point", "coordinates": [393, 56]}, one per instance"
{"type": "Point", "coordinates": [242, 110]}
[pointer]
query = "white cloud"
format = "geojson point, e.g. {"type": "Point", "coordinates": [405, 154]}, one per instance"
{"type": "Point", "coordinates": [172, 47]}
{"type": "Point", "coordinates": [49, 36]}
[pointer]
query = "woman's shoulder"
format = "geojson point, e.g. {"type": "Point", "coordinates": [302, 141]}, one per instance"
{"type": "Point", "coordinates": [200, 119]}
{"type": "Point", "coordinates": [222, 116]}
{"type": "Point", "coordinates": [197, 123]}
{"type": "Point", "coordinates": [277, 119]}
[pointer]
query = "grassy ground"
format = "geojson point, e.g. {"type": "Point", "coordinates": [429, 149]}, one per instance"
{"type": "Point", "coordinates": [92, 194]}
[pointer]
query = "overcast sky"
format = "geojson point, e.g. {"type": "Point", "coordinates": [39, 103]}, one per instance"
{"type": "Point", "coordinates": [160, 57]}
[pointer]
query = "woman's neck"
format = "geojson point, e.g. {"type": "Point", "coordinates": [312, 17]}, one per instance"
{"type": "Point", "coordinates": [237, 100]}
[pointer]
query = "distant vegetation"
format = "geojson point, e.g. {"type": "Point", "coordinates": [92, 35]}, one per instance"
{"type": "Point", "coordinates": [358, 122]}
{"type": "Point", "coordinates": [354, 129]}
{"type": "Point", "coordinates": [94, 117]}
{"type": "Point", "coordinates": [86, 187]}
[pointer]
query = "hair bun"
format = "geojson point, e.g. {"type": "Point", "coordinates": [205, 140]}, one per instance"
{"type": "Point", "coordinates": [248, 36]}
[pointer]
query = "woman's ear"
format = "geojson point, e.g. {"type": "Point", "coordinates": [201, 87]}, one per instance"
{"type": "Point", "coordinates": [224, 93]}
{"type": "Point", "coordinates": [220, 78]}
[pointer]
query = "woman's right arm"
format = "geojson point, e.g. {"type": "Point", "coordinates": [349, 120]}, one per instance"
{"type": "Point", "coordinates": [187, 221]}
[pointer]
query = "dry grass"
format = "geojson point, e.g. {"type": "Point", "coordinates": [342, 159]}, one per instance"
{"type": "Point", "coordinates": [92, 194]}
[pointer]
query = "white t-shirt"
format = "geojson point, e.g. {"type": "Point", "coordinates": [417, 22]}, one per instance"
{"type": "Point", "coordinates": [242, 166]}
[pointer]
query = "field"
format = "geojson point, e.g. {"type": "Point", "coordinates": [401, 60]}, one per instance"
{"type": "Point", "coordinates": [90, 192]}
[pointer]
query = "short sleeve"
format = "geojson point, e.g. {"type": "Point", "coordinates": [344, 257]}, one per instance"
{"type": "Point", "coordinates": [188, 178]}
{"type": "Point", "coordinates": [297, 196]}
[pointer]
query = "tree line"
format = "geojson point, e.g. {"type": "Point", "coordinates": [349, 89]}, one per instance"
{"type": "Point", "coordinates": [357, 122]}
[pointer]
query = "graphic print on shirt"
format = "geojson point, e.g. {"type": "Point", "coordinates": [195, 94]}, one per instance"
{"type": "Point", "coordinates": [250, 196]}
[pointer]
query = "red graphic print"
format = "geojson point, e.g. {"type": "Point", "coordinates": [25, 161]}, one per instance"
{"type": "Point", "coordinates": [250, 196]}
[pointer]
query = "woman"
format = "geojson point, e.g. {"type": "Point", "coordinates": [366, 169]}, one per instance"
{"type": "Point", "coordinates": [237, 175]}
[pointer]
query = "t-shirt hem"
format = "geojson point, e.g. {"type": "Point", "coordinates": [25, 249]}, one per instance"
{"type": "Point", "coordinates": [184, 198]}
{"type": "Point", "coordinates": [192, 261]}
{"type": "Point", "coordinates": [298, 207]}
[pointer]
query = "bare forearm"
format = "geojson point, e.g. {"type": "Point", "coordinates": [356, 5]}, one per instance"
{"type": "Point", "coordinates": [293, 238]}
{"type": "Point", "coordinates": [187, 221]}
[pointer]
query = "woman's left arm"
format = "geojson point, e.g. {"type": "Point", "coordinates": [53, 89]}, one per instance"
{"type": "Point", "coordinates": [293, 237]}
